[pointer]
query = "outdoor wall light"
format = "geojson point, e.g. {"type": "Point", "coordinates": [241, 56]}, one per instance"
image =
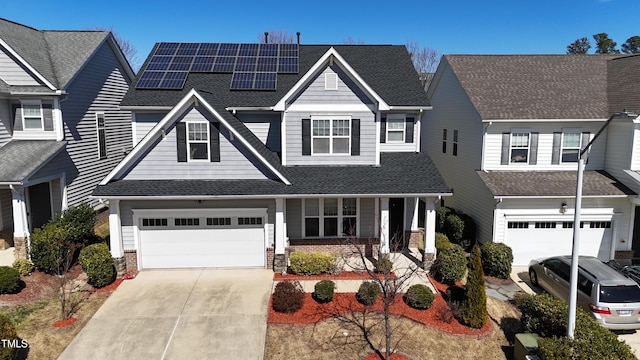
{"type": "Point", "coordinates": [563, 208]}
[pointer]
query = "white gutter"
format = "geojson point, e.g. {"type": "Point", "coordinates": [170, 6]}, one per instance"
{"type": "Point", "coordinates": [541, 120]}
{"type": "Point", "coordinates": [266, 196]}
{"type": "Point", "coordinates": [56, 92]}
{"type": "Point", "coordinates": [249, 108]}
{"type": "Point", "coordinates": [562, 196]}
{"type": "Point", "coordinates": [150, 108]}
{"type": "Point", "coordinates": [410, 108]}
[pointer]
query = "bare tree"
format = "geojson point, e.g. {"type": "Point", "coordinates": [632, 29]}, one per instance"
{"type": "Point", "coordinates": [352, 41]}
{"type": "Point", "coordinates": [127, 48]}
{"type": "Point", "coordinates": [70, 297]}
{"type": "Point", "coordinates": [425, 61]}
{"type": "Point", "coordinates": [277, 37]}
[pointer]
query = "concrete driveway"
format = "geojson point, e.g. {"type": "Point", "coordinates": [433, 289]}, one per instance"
{"type": "Point", "coordinates": [180, 314]}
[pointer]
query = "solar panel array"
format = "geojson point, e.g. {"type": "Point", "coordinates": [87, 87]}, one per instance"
{"type": "Point", "coordinates": [254, 66]}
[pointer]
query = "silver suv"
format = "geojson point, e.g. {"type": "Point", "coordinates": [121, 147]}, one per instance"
{"type": "Point", "coordinates": [611, 298]}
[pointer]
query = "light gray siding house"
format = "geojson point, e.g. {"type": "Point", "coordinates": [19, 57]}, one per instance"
{"type": "Point", "coordinates": [258, 150]}
{"type": "Point", "coordinates": [505, 132]}
{"type": "Point", "coordinates": [61, 129]}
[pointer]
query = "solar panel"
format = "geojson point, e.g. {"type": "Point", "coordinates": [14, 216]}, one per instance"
{"type": "Point", "coordinates": [203, 64]}
{"type": "Point", "coordinates": [265, 81]}
{"type": "Point", "coordinates": [248, 50]}
{"type": "Point", "coordinates": [210, 49]}
{"type": "Point", "coordinates": [182, 63]}
{"type": "Point", "coordinates": [167, 48]}
{"type": "Point", "coordinates": [268, 50]}
{"type": "Point", "coordinates": [188, 48]}
{"type": "Point", "coordinates": [244, 63]}
{"type": "Point", "coordinates": [159, 62]}
{"type": "Point", "coordinates": [242, 80]}
{"type": "Point", "coordinates": [267, 64]}
{"type": "Point", "coordinates": [288, 65]}
{"type": "Point", "coordinates": [224, 64]}
{"type": "Point", "coordinates": [150, 79]}
{"type": "Point", "coordinates": [174, 80]}
{"type": "Point", "coordinates": [228, 50]}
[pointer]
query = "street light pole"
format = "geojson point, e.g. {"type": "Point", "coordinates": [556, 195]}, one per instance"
{"type": "Point", "coordinates": [575, 251]}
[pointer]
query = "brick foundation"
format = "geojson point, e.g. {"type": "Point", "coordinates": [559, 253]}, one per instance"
{"type": "Point", "coordinates": [337, 246]}
{"type": "Point", "coordinates": [131, 260]}
{"type": "Point", "coordinates": [624, 254]}
{"type": "Point", "coordinates": [20, 244]}
{"type": "Point", "coordinates": [415, 237]}
{"type": "Point", "coordinates": [120, 264]}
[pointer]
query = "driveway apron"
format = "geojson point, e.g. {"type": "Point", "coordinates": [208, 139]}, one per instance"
{"type": "Point", "coordinates": [180, 314]}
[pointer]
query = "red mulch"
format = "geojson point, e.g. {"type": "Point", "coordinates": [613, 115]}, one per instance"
{"type": "Point", "coordinates": [394, 356]}
{"type": "Point", "coordinates": [64, 323]}
{"type": "Point", "coordinates": [344, 275]}
{"type": "Point", "coordinates": [114, 285]}
{"type": "Point", "coordinates": [37, 287]}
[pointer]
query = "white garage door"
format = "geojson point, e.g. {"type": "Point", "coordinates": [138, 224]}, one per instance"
{"type": "Point", "coordinates": [536, 239]}
{"type": "Point", "coordinates": [202, 240]}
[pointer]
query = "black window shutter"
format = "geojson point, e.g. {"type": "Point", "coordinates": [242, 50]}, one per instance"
{"type": "Point", "coordinates": [383, 130]}
{"type": "Point", "coordinates": [408, 138]}
{"type": "Point", "coordinates": [355, 136]}
{"type": "Point", "coordinates": [555, 154]}
{"type": "Point", "coordinates": [181, 140]}
{"type": "Point", "coordinates": [16, 110]}
{"type": "Point", "coordinates": [47, 116]}
{"type": "Point", "coordinates": [504, 158]}
{"type": "Point", "coordinates": [214, 141]}
{"type": "Point", "coordinates": [306, 136]}
{"type": "Point", "coordinates": [533, 149]}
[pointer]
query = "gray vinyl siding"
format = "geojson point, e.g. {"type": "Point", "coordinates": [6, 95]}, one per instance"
{"type": "Point", "coordinates": [5, 122]}
{"type": "Point", "coordinates": [99, 87]}
{"type": "Point", "coordinates": [144, 122]}
{"type": "Point", "coordinates": [12, 73]}
{"type": "Point", "coordinates": [266, 127]}
{"type": "Point", "coordinates": [161, 162]}
{"type": "Point", "coordinates": [126, 213]}
{"type": "Point", "coordinates": [6, 209]}
{"type": "Point", "coordinates": [322, 101]}
{"type": "Point", "coordinates": [294, 218]}
{"type": "Point", "coordinates": [620, 137]}
{"type": "Point", "coordinates": [56, 195]}
{"type": "Point", "coordinates": [452, 110]}
{"type": "Point", "coordinates": [409, 204]}
{"type": "Point", "coordinates": [368, 218]}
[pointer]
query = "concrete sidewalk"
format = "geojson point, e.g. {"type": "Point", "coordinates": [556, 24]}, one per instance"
{"type": "Point", "coordinates": [6, 257]}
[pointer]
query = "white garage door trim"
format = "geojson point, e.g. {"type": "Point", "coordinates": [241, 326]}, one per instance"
{"type": "Point", "coordinates": [233, 223]}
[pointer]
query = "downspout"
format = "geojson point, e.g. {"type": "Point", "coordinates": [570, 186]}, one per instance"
{"type": "Point", "coordinates": [496, 206]}
{"type": "Point", "coordinates": [484, 141]}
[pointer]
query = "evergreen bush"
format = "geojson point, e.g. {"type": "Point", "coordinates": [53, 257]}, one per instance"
{"type": "Point", "coordinates": [442, 241]}
{"type": "Point", "coordinates": [473, 310]}
{"type": "Point", "coordinates": [497, 259]}
{"type": "Point", "coordinates": [7, 332]}
{"type": "Point", "coordinates": [97, 262]}
{"type": "Point", "coordinates": [78, 222]}
{"type": "Point", "coordinates": [9, 280]}
{"type": "Point", "coordinates": [454, 228]}
{"type": "Point", "coordinates": [311, 263]}
{"type": "Point", "coordinates": [24, 267]}
{"type": "Point", "coordinates": [368, 292]}
{"type": "Point", "coordinates": [48, 246]}
{"type": "Point", "coordinates": [323, 291]}
{"type": "Point", "coordinates": [441, 216]}
{"type": "Point", "coordinates": [419, 296]}
{"type": "Point", "coordinates": [450, 264]}
{"type": "Point", "coordinates": [288, 297]}
{"type": "Point", "coordinates": [384, 265]}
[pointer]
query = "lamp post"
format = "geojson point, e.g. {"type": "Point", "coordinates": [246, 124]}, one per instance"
{"type": "Point", "coordinates": [575, 251]}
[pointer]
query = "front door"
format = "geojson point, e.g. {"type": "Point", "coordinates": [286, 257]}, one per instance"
{"type": "Point", "coordinates": [396, 224]}
{"type": "Point", "coordinates": [635, 243]}
{"type": "Point", "coordinates": [39, 205]}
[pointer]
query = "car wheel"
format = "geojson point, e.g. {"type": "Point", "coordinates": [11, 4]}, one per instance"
{"type": "Point", "coordinates": [533, 276]}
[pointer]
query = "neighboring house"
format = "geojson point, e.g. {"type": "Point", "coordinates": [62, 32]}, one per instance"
{"type": "Point", "coordinates": [505, 133]}
{"type": "Point", "coordinates": [248, 151]}
{"type": "Point", "coordinates": [61, 130]}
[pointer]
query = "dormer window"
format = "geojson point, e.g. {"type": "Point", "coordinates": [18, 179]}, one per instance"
{"type": "Point", "coordinates": [32, 118]}
{"type": "Point", "coordinates": [395, 130]}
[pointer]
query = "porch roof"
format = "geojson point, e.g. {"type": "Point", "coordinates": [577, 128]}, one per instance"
{"type": "Point", "coordinates": [552, 184]}
{"type": "Point", "coordinates": [20, 159]}
{"type": "Point", "coordinates": [398, 174]}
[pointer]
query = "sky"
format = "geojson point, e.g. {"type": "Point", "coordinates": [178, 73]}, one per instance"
{"type": "Point", "coordinates": [447, 26]}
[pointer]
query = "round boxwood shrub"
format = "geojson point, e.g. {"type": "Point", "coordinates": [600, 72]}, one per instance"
{"type": "Point", "coordinates": [497, 259]}
{"type": "Point", "coordinates": [7, 332]}
{"type": "Point", "coordinates": [288, 297]}
{"type": "Point", "coordinates": [442, 241]}
{"type": "Point", "coordinates": [323, 291]}
{"type": "Point", "coordinates": [384, 265]}
{"type": "Point", "coordinates": [368, 292]}
{"type": "Point", "coordinates": [419, 296]}
{"type": "Point", "coordinates": [96, 261]}
{"type": "Point", "coordinates": [24, 267]}
{"type": "Point", "coordinates": [9, 280]}
{"type": "Point", "coordinates": [48, 246]}
{"type": "Point", "coordinates": [450, 264]}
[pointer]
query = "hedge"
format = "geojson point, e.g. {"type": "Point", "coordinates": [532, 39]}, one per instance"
{"type": "Point", "coordinates": [450, 264]}
{"type": "Point", "coordinates": [97, 262]}
{"type": "Point", "coordinates": [311, 263]}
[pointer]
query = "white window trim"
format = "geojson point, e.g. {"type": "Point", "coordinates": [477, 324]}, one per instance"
{"type": "Point", "coordinates": [104, 128]}
{"type": "Point", "coordinates": [331, 119]}
{"type": "Point", "coordinates": [32, 102]}
{"type": "Point", "coordinates": [392, 118]}
{"type": "Point", "coordinates": [519, 131]}
{"type": "Point", "coordinates": [207, 141]}
{"type": "Point", "coordinates": [321, 219]}
{"type": "Point", "coordinates": [562, 147]}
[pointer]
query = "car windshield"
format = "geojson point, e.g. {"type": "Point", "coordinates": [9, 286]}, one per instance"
{"type": "Point", "coordinates": [619, 294]}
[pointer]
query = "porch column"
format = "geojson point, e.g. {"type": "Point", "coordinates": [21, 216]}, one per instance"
{"type": "Point", "coordinates": [414, 218]}
{"type": "Point", "coordinates": [20, 223]}
{"type": "Point", "coordinates": [429, 230]}
{"type": "Point", "coordinates": [280, 259]}
{"type": "Point", "coordinates": [115, 236]}
{"type": "Point", "coordinates": [384, 225]}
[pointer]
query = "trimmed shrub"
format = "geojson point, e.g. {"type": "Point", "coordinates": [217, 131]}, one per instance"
{"type": "Point", "coordinates": [473, 310]}
{"type": "Point", "coordinates": [323, 291]}
{"type": "Point", "coordinates": [288, 297]}
{"type": "Point", "coordinates": [442, 241]}
{"type": "Point", "coordinates": [9, 280]}
{"type": "Point", "coordinates": [96, 261]}
{"type": "Point", "coordinates": [441, 216]}
{"type": "Point", "coordinates": [368, 292]}
{"type": "Point", "coordinates": [24, 267]}
{"type": "Point", "coordinates": [48, 246]}
{"type": "Point", "coordinates": [78, 223]}
{"type": "Point", "coordinates": [311, 263]}
{"type": "Point", "coordinates": [384, 265]}
{"type": "Point", "coordinates": [450, 264]}
{"type": "Point", "coordinates": [419, 296]}
{"type": "Point", "coordinates": [497, 259]}
{"type": "Point", "coordinates": [547, 316]}
{"type": "Point", "coordinates": [454, 228]}
{"type": "Point", "coordinates": [7, 332]}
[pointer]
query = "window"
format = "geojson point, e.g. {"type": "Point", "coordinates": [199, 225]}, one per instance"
{"type": "Point", "coordinates": [32, 115]}
{"type": "Point", "coordinates": [154, 222]}
{"type": "Point", "coordinates": [395, 130]}
{"type": "Point", "coordinates": [102, 136]}
{"type": "Point", "coordinates": [330, 217]}
{"type": "Point", "coordinates": [600, 225]}
{"type": "Point", "coordinates": [250, 221]}
{"type": "Point", "coordinates": [517, 225]}
{"type": "Point", "coordinates": [570, 146]}
{"type": "Point", "coordinates": [444, 141]}
{"type": "Point", "coordinates": [519, 147]}
{"type": "Point", "coordinates": [455, 143]}
{"type": "Point", "coordinates": [198, 140]}
{"type": "Point", "coordinates": [545, 225]}
{"type": "Point", "coordinates": [331, 136]}
{"type": "Point", "coordinates": [218, 221]}
{"type": "Point", "coordinates": [186, 222]}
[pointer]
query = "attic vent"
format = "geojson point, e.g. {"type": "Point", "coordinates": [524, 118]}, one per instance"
{"type": "Point", "coordinates": [331, 81]}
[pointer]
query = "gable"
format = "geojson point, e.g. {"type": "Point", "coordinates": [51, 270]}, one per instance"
{"type": "Point", "coordinates": [12, 73]}
{"type": "Point", "coordinates": [162, 160]}
{"type": "Point", "coordinates": [345, 91]}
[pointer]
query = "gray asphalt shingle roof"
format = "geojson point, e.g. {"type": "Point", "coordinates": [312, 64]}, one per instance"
{"type": "Point", "coordinates": [387, 69]}
{"type": "Point", "coordinates": [551, 183]}
{"type": "Point", "coordinates": [20, 158]}
{"type": "Point", "coordinates": [398, 173]}
{"type": "Point", "coordinates": [535, 86]}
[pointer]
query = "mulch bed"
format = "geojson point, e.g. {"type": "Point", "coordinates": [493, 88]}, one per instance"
{"type": "Point", "coordinates": [36, 287]}
{"type": "Point", "coordinates": [114, 285]}
{"type": "Point", "coordinates": [65, 323]}
{"type": "Point", "coordinates": [394, 356]}
{"type": "Point", "coordinates": [344, 275]}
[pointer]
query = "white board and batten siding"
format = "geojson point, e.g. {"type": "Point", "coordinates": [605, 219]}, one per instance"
{"type": "Point", "coordinates": [346, 101]}
{"type": "Point", "coordinates": [161, 162]}
{"type": "Point", "coordinates": [452, 110]}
